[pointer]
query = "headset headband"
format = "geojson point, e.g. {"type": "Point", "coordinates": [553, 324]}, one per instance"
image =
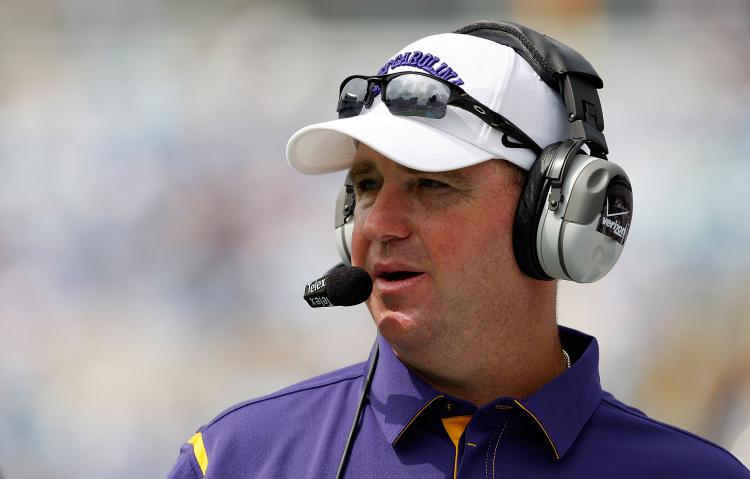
{"type": "Point", "coordinates": [563, 69]}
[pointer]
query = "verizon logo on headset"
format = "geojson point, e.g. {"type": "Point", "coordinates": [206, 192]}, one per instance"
{"type": "Point", "coordinates": [616, 228]}
{"type": "Point", "coordinates": [617, 212]}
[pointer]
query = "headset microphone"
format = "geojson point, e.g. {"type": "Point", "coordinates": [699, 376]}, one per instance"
{"type": "Point", "coordinates": [340, 286]}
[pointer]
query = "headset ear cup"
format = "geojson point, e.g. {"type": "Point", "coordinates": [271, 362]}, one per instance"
{"type": "Point", "coordinates": [343, 238]}
{"type": "Point", "coordinates": [344, 221]}
{"type": "Point", "coordinates": [528, 213]}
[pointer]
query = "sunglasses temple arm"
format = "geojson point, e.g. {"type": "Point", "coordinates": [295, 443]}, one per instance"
{"type": "Point", "coordinates": [498, 122]}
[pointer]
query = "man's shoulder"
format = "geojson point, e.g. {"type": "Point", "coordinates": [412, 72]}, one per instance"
{"type": "Point", "coordinates": [262, 436]}
{"type": "Point", "coordinates": [300, 400]}
{"type": "Point", "coordinates": [660, 444]}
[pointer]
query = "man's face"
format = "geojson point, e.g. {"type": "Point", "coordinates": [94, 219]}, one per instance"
{"type": "Point", "coordinates": [437, 245]}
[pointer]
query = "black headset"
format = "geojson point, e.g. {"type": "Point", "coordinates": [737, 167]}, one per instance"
{"type": "Point", "coordinates": [575, 209]}
{"type": "Point", "coordinates": [574, 214]}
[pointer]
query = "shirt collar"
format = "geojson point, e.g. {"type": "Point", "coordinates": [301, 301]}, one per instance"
{"type": "Point", "coordinates": [564, 405]}
{"type": "Point", "coordinates": [560, 408]}
{"type": "Point", "coordinates": [397, 395]}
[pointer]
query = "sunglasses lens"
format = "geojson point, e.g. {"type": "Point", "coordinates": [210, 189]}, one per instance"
{"type": "Point", "coordinates": [352, 98]}
{"type": "Point", "coordinates": [417, 95]}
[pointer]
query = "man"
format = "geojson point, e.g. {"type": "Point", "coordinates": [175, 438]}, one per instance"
{"type": "Point", "coordinates": [474, 378]}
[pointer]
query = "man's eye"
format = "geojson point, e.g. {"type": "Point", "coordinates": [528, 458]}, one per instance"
{"type": "Point", "coordinates": [363, 186]}
{"type": "Point", "coordinates": [432, 184]}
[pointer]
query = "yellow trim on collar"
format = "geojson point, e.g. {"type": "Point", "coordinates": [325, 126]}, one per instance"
{"type": "Point", "coordinates": [200, 451]}
{"type": "Point", "coordinates": [554, 449]}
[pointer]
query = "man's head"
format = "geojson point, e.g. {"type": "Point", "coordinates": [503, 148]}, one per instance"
{"type": "Point", "coordinates": [439, 245]}
{"type": "Point", "coordinates": [433, 142]}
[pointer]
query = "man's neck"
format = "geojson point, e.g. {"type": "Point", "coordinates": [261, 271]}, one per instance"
{"type": "Point", "coordinates": [519, 375]}
{"type": "Point", "coordinates": [515, 359]}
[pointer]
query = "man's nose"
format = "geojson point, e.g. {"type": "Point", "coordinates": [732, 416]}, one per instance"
{"type": "Point", "coordinates": [388, 217]}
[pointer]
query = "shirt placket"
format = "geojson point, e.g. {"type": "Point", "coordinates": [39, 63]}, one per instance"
{"type": "Point", "coordinates": [482, 442]}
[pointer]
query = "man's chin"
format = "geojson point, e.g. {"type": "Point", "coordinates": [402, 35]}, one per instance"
{"type": "Point", "coordinates": [401, 329]}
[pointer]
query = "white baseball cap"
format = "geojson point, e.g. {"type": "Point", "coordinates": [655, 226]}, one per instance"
{"type": "Point", "coordinates": [492, 73]}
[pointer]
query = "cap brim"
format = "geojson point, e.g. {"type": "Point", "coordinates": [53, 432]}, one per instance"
{"type": "Point", "coordinates": [327, 147]}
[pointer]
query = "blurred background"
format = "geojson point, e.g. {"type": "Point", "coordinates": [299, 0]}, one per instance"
{"type": "Point", "coordinates": [154, 244]}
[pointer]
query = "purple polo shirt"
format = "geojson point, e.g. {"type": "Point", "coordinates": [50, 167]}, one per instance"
{"type": "Point", "coordinates": [570, 428]}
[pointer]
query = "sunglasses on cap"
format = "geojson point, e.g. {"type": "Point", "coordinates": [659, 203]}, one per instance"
{"type": "Point", "coordinates": [420, 94]}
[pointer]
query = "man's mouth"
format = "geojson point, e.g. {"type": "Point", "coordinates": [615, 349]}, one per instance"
{"type": "Point", "coordinates": [394, 276]}
{"type": "Point", "coordinates": [398, 275]}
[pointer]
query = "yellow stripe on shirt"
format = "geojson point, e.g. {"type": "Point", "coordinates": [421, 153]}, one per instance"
{"type": "Point", "coordinates": [200, 451]}
{"type": "Point", "coordinates": [455, 427]}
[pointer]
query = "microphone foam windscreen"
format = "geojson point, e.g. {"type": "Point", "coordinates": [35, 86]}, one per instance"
{"type": "Point", "coordinates": [348, 285]}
